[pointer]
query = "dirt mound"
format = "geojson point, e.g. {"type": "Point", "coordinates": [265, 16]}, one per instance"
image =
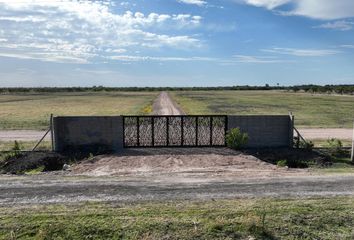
{"type": "Point", "coordinates": [175, 161]}
{"type": "Point", "coordinates": [22, 162]}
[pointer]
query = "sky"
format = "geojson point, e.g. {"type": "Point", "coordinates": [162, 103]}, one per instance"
{"type": "Point", "coordinates": [176, 42]}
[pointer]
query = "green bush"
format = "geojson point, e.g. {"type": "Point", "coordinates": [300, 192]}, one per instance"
{"type": "Point", "coordinates": [17, 146]}
{"type": "Point", "coordinates": [236, 139]}
{"type": "Point", "coordinates": [308, 145]}
{"type": "Point", "coordinates": [282, 163]}
{"type": "Point", "coordinates": [335, 147]}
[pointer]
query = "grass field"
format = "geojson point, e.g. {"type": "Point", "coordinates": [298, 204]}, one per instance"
{"type": "Point", "coordinates": [32, 111]}
{"type": "Point", "coordinates": [309, 110]}
{"type": "Point", "coordinates": [325, 218]}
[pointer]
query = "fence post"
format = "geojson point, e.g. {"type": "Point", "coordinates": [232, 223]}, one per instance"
{"type": "Point", "coordinates": [52, 132]}
{"type": "Point", "coordinates": [352, 155]}
{"type": "Point", "coordinates": [291, 129]}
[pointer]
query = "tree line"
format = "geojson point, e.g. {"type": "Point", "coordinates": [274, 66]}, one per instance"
{"type": "Point", "coordinates": [337, 89]}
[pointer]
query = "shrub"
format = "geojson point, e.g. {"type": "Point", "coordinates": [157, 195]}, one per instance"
{"type": "Point", "coordinates": [308, 145]}
{"type": "Point", "coordinates": [282, 163]}
{"type": "Point", "coordinates": [17, 146]}
{"type": "Point", "coordinates": [335, 147]}
{"type": "Point", "coordinates": [236, 139]}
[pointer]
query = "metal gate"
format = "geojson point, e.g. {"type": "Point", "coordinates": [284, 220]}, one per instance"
{"type": "Point", "coordinates": [174, 131]}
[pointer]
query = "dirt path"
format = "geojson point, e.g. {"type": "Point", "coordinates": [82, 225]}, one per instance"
{"type": "Point", "coordinates": [171, 174]}
{"type": "Point", "coordinates": [162, 109]}
{"type": "Point", "coordinates": [66, 189]}
{"type": "Point", "coordinates": [22, 135]}
{"type": "Point", "coordinates": [164, 105]}
{"type": "Point", "coordinates": [326, 133]}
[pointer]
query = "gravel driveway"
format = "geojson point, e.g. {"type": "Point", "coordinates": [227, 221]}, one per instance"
{"type": "Point", "coordinates": [66, 189]}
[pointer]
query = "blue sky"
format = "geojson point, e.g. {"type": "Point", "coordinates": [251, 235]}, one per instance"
{"type": "Point", "coordinates": [176, 42]}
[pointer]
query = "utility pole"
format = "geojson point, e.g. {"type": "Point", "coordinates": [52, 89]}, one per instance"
{"type": "Point", "coordinates": [352, 156]}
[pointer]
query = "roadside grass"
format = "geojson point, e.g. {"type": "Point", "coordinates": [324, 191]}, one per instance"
{"type": "Point", "coordinates": [32, 110]}
{"type": "Point", "coordinates": [310, 110]}
{"type": "Point", "coordinates": [340, 165]}
{"type": "Point", "coordinates": [316, 218]}
{"type": "Point", "coordinates": [323, 143]}
{"type": "Point", "coordinates": [25, 145]}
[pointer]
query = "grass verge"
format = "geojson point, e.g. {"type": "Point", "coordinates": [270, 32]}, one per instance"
{"type": "Point", "coordinates": [25, 145]}
{"type": "Point", "coordinates": [325, 218]}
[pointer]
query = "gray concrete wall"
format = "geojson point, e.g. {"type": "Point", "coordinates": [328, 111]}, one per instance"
{"type": "Point", "coordinates": [93, 134]}
{"type": "Point", "coordinates": [88, 134]}
{"type": "Point", "coordinates": [264, 131]}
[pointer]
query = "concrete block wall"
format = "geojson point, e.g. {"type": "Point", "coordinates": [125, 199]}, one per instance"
{"type": "Point", "coordinates": [88, 134]}
{"type": "Point", "coordinates": [92, 134]}
{"type": "Point", "coordinates": [265, 131]}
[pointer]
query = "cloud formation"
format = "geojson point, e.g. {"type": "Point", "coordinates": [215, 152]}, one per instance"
{"type": "Point", "coordinates": [77, 31]}
{"type": "Point", "coordinates": [194, 2]}
{"type": "Point", "coordinates": [318, 9]}
{"type": "Point", "coordinates": [302, 52]}
{"type": "Point", "coordinates": [341, 25]}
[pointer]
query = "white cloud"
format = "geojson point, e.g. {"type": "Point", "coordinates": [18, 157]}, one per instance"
{"type": "Point", "coordinates": [269, 4]}
{"type": "Point", "coordinates": [193, 2]}
{"type": "Point", "coordinates": [129, 58]}
{"type": "Point", "coordinates": [236, 59]}
{"type": "Point", "coordinates": [80, 30]}
{"type": "Point", "coordinates": [302, 52]}
{"type": "Point", "coordinates": [347, 46]}
{"type": "Point", "coordinates": [256, 59]}
{"type": "Point", "coordinates": [318, 9]}
{"type": "Point", "coordinates": [341, 25]}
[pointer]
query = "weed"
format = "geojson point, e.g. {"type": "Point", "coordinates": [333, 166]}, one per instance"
{"type": "Point", "coordinates": [335, 147]}
{"type": "Point", "coordinates": [307, 145]}
{"type": "Point", "coordinates": [282, 163]}
{"type": "Point", "coordinates": [236, 139]}
{"type": "Point", "coordinates": [35, 171]}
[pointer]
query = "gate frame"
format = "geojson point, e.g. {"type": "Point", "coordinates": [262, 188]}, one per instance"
{"type": "Point", "coordinates": [167, 131]}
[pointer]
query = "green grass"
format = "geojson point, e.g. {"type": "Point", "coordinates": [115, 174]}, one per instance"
{"type": "Point", "coordinates": [25, 145]}
{"type": "Point", "coordinates": [309, 110]}
{"type": "Point", "coordinates": [325, 218]}
{"type": "Point", "coordinates": [32, 111]}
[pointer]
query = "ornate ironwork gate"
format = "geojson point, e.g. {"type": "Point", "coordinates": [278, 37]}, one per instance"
{"type": "Point", "coordinates": [174, 131]}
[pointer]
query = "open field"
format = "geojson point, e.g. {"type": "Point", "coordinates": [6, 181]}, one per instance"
{"type": "Point", "coordinates": [325, 218]}
{"type": "Point", "coordinates": [32, 111]}
{"type": "Point", "coordinates": [310, 110]}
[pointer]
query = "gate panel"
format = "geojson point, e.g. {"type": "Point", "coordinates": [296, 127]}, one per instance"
{"type": "Point", "coordinates": [174, 131]}
{"type": "Point", "coordinates": [189, 131]}
{"type": "Point", "coordinates": [145, 131]}
{"type": "Point", "coordinates": [130, 126]}
{"type": "Point", "coordinates": [160, 131]}
{"type": "Point", "coordinates": [218, 131]}
{"type": "Point", "coordinates": [204, 131]}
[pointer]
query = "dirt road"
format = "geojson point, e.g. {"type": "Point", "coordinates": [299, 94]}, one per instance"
{"type": "Point", "coordinates": [326, 133]}
{"type": "Point", "coordinates": [22, 135]}
{"type": "Point", "coordinates": [66, 189]}
{"type": "Point", "coordinates": [164, 105]}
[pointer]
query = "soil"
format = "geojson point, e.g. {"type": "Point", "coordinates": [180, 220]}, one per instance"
{"type": "Point", "coordinates": [171, 174]}
{"type": "Point", "coordinates": [23, 162]}
{"type": "Point", "coordinates": [214, 161]}
{"type": "Point", "coordinates": [164, 105]}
